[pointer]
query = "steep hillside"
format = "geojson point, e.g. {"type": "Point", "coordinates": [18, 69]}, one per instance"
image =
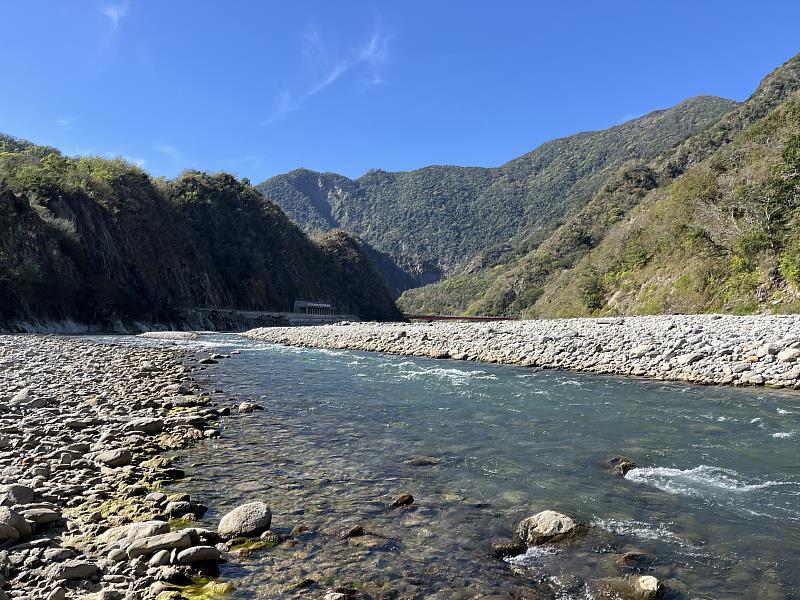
{"type": "Point", "coordinates": [514, 287]}
{"type": "Point", "coordinates": [434, 220]}
{"type": "Point", "coordinates": [99, 241]}
{"type": "Point", "coordinates": [723, 237]}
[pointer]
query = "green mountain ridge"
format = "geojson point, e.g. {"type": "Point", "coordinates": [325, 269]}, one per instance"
{"type": "Point", "coordinates": [595, 260]}
{"type": "Point", "coordinates": [98, 241]}
{"type": "Point", "coordinates": [432, 222]}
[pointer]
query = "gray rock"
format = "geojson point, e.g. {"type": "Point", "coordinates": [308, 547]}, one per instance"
{"type": "Point", "coordinates": [21, 396]}
{"type": "Point", "coordinates": [546, 526]}
{"type": "Point", "coordinates": [8, 533]}
{"type": "Point", "coordinates": [159, 558]}
{"type": "Point", "coordinates": [248, 519]}
{"type": "Point", "coordinates": [688, 359]}
{"type": "Point", "coordinates": [195, 421]}
{"type": "Point", "coordinates": [619, 465]}
{"type": "Point", "coordinates": [198, 554]}
{"type": "Point", "coordinates": [57, 594]}
{"type": "Point", "coordinates": [126, 534]}
{"type": "Point", "coordinates": [115, 458]}
{"type": "Point", "coordinates": [148, 425]}
{"type": "Point", "coordinates": [155, 497]}
{"type": "Point", "coordinates": [14, 519]}
{"type": "Point", "coordinates": [643, 587]}
{"type": "Point", "coordinates": [247, 407]}
{"type": "Point", "coordinates": [166, 541]}
{"type": "Point", "coordinates": [117, 555]}
{"type": "Point", "coordinates": [15, 494]}
{"type": "Point", "coordinates": [766, 350]}
{"type": "Point", "coordinates": [58, 554]}
{"type": "Point", "coordinates": [177, 509]}
{"type": "Point", "coordinates": [789, 355]}
{"type": "Point", "coordinates": [41, 516]}
{"type": "Point", "coordinates": [72, 570]}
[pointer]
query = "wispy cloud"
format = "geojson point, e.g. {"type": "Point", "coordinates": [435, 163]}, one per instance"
{"type": "Point", "coordinates": [373, 54]}
{"type": "Point", "coordinates": [115, 13]}
{"type": "Point", "coordinates": [251, 161]}
{"type": "Point", "coordinates": [65, 122]}
{"type": "Point", "coordinates": [169, 151]}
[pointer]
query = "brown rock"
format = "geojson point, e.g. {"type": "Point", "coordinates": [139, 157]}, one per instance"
{"type": "Point", "coordinates": [619, 465]}
{"type": "Point", "coordinates": [355, 531]}
{"type": "Point", "coordinates": [403, 500]}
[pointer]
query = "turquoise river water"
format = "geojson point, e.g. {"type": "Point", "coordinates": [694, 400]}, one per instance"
{"type": "Point", "coordinates": [715, 502]}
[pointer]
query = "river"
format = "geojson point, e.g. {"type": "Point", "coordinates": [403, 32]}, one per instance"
{"type": "Point", "coordinates": [715, 502]}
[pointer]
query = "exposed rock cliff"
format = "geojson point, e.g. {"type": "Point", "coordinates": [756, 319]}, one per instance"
{"type": "Point", "coordinates": [100, 242]}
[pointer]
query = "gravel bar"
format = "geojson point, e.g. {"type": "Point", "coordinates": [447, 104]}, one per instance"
{"type": "Point", "coordinates": [704, 349]}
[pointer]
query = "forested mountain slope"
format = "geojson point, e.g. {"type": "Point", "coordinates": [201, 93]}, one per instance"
{"type": "Point", "coordinates": [99, 241]}
{"type": "Point", "coordinates": [515, 287]}
{"type": "Point", "coordinates": [433, 221]}
{"type": "Point", "coordinates": [723, 237]}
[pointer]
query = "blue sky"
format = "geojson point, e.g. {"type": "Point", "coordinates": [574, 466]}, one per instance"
{"type": "Point", "coordinates": [259, 88]}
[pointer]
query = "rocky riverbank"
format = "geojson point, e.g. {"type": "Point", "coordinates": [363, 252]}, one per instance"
{"type": "Point", "coordinates": [82, 425]}
{"type": "Point", "coordinates": [706, 349]}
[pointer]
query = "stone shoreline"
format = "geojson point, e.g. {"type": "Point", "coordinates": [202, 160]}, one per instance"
{"type": "Point", "coordinates": [703, 349]}
{"type": "Point", "coordinates": [82, 425]}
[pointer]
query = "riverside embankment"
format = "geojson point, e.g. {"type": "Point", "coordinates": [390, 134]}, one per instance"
{"type": "Point", "coordinates": [706, 349]}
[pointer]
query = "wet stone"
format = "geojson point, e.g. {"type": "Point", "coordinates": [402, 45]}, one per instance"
{"type": "Point", "coordinates": [403, 500]}
{"type": "Point", "coordinates": [354, 531]}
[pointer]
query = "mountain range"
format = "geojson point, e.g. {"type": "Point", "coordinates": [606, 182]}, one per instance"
{"type": "Point", "coordinates": [530, 237]}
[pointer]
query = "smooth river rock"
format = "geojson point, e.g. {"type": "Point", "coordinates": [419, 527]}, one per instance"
{"type": "Point", "coordinates": [177, 540]}
{"type": "Point", "coordinates": [247, 520]}
{"type": "Point", "coordinates": [546, 526]}
{"type": "Point", "coordinates": [115, 458]}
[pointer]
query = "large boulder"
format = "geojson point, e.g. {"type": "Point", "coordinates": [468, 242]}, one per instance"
{"type": "Point", "coordinates": [248, 519]}
{"type": "Point", "coordinates": [789, 355]}
{"type": "Point", "coordinates": [546, 526]}
{"type": "Point", "coordinates": [125, 534]}
{"type": "Point", "coordinates": [619, 465]}
{"type": "Point", "coordinates": [42, 515]}
{"type": "Point", "coordinates": [641, 587]}
{"type": "Point", "coordinates": [8, 533]}
{"type": "Point", "coordinates": [15, 494]}
{"type": "Point", "coordinates": [147, 425]}
{"type": "Point", "coordinates": [12, 519]}
{"type": "Point", "coordinates": [72, 569]}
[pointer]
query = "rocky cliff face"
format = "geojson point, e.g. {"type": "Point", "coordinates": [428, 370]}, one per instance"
{"type": "Point", "coordinates": [100, 242]}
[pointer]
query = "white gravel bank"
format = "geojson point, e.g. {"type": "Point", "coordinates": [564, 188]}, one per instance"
{"type": "Point", "coordinates": [707, 349]}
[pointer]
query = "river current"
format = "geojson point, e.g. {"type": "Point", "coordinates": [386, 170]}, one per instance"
{"type": "Point", "coordinates": [714, 503]}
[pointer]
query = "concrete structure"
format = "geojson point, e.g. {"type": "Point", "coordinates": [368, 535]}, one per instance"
{"type": "Point", "coordinates": [249, 319]}
{"type": "Point", "coordinates": [305, 307]}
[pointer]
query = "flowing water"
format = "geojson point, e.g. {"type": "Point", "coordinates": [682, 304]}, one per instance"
{"type": "Point", "coordinates": [715, 502]}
